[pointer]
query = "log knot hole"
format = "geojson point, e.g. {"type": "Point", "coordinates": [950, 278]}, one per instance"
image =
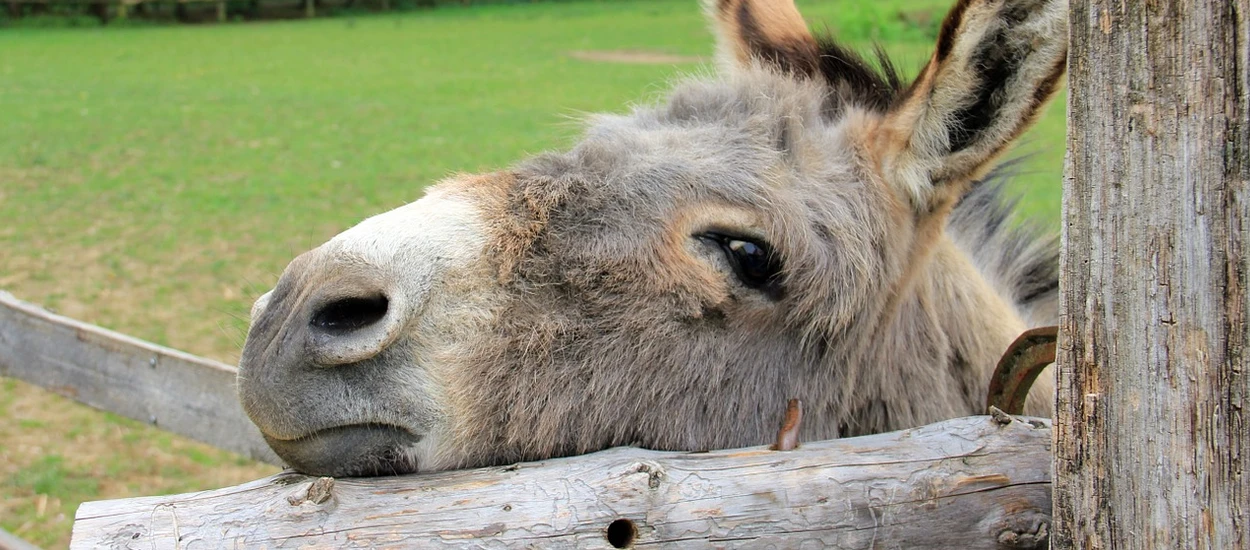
{"type": "Point", "coordinates": [1010, 538]}
{"type": "Point", "coordinates": [1001, 418]}
{"type": "Point", "coordinates": [655, 473]}
{"type": "Point", "coordinates": [319, 491]}
{"type": "Point", "coordinates": [621, 533]}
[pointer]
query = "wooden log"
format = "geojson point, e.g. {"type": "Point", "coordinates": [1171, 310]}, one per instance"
{"type": "Point", "coordinates": [1152, 424]}
{"type": "Point", "coordinates": [966, 483]}
{"type": "Point", "coordinates": [164, 387]}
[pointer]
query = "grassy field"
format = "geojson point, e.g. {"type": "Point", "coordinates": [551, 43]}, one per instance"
{"type": "Point", "coordinates": [155, 180]}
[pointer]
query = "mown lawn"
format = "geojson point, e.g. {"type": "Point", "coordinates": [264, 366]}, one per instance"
{"type": "Point", "coordinates": [155, 180]}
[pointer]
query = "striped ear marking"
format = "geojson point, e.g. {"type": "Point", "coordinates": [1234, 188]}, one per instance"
{"type": "Point", "coordinates": [768, 31]}
{"type": "Point", "coordinates": [996, 64]}
{"type": "Point", "coordinates": [772, 33]}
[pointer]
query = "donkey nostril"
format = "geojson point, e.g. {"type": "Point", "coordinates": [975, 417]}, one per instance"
{"type": "Point", "coordinates": [349, 314]}
{"type": "Point", "coordinates": [355, 326]}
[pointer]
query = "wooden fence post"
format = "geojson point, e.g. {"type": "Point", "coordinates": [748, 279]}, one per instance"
{"type": "Point", "coordinates": [1152, 439]}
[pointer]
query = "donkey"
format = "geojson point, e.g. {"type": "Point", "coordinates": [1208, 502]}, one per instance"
{"type": "Point", "coordinates": [803, 225]}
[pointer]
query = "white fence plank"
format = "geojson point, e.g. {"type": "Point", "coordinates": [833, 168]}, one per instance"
{"type": "Point", "coordinates": [170, 389]}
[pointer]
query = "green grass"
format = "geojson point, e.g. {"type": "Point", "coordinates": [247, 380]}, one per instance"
{"type": "Point", "coordinates": [155, 179]}
{"type": "Point", "coordinates": [50, 476]}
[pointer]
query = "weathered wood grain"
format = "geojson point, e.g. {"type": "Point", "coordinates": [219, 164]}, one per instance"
{"type": "Point", "coordinates": [1152, 439]}
{"type": "Point", "coordinates": [964, 483]}
{"type": "Point", "coordinates": [167, 388]}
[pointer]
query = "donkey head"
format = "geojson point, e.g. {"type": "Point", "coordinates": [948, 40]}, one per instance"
{"type": "Point", "coordinates": [803, 225]}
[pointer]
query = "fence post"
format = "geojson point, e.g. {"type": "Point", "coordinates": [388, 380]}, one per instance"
{"type": "Point", "coordinates": [1152, 442]}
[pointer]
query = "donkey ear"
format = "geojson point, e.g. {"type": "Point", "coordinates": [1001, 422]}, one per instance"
{"type": "Point", "coordinates": [996, 64]}
{"type": "Point", "coordinates": [767, 31]}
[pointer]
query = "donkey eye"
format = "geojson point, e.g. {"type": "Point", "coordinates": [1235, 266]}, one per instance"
{"type": "Point", "coordinates": [753, 262]}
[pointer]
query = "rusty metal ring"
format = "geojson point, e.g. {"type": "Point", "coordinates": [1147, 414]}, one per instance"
{"type": "Point", "coordinates": [1019, 367]}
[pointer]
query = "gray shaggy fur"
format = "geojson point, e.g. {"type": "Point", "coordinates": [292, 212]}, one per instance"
{"type": "Point", "coordinates": [634, 355]}
{"type": "Point", "coordinates": [1020, 258]}
{"type": "Point", "coordinates": [591, 298]}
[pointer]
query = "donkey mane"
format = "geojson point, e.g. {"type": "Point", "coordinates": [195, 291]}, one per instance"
{"type": "Point", "coordinates": [1020, 258]}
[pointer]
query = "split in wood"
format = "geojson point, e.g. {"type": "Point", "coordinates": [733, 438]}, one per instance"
{"type": "Point", "coordinates": [1019, 367]}
{"type": "Point", "coordinates": [788, 435]}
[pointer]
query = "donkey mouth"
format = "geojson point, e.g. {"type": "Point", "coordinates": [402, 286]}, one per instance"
{"type": "Point", "coordinates": [352, 450]}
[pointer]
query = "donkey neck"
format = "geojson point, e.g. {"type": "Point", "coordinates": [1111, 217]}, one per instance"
{"type": "Point", "coordinates": [932, 352]}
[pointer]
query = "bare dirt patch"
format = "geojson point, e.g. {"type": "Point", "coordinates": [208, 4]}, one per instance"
{"type": "Point", "coordinates": [643, 57]}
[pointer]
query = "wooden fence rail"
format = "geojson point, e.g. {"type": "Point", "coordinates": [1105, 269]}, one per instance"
{"type": "Point", "coordinates": [967, 483]}
{"type": "Point", "coordinates": [164, 387]}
